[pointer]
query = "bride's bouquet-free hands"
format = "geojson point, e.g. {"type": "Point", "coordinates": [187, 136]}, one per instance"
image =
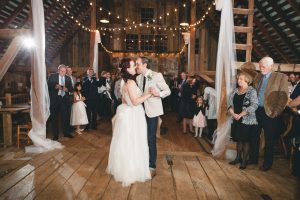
{"type": "Point", "coordinates": [154, 92]}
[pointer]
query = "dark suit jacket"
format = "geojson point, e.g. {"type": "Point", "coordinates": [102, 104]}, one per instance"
{"type": "Point", "coordinates": [276, 93]}
{"type": "Point", "coordinates": [296, 91]}
{"type": "Point", "coordinates": [90, 88]}
{"type": "Point", "coordinates": [53, 80]}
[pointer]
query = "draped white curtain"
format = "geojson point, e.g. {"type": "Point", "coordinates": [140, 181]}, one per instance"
{"type": "Point", "coordinates": [40, 102]}
{"type": "Point", "coordinates": [97, 40]}
{"type": "Point", "coordinates": [226, 57]}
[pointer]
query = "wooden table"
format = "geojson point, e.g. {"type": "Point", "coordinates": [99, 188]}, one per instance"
{"type": "Point", "coordinates": [7, 111]}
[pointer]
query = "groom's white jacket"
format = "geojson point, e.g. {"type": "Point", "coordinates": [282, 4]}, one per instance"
{"type": "Point", "coordinates": [153, 105]}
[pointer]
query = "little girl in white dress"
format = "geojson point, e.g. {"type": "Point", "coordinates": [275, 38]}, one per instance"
{"type": "Point", "coordinates": [78, 113]}
{"type": "Point", "coordinates": [199, 120]}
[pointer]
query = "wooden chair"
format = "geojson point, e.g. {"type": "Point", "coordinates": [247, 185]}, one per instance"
{"type": "Point", "coordinates": [22, 133]}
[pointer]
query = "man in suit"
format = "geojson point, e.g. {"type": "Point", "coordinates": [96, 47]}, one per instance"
{"type": "Point", "coordinates": [272, 90]}
{"type": "Point", "coordinates": [90, 86]}
{"type": "Point", "coordinates": [60, 86]}
{"type": "Point", "coordinates": [69, 73]}
{"type": "Point", "coordinates": [154, 81]}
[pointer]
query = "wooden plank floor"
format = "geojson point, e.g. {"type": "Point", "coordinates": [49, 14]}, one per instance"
{"type": "Point", "coordinates": [184, 171]}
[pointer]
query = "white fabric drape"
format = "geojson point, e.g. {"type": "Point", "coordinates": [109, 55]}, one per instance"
{"type": "Point", "coordinates": [226, 57]}
{"type": "Point", "coordinates": [40, 102]}
{"type": "Point", "coordinates": [97, 40]}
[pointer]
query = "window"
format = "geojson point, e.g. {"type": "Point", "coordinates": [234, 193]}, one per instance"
{"type": "Point", "coordinates": [132, 42]}
{"type": "Point", "coordinates": [147, 42]}
{"type": "Point", "coordinates": [161, 43]}
{"type": "Point", "coordinates": [147, 15]}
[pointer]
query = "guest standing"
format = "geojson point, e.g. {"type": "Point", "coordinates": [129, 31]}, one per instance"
{"type": "Point", "coordinates": [60, 86]}
{"type": "Point", "coordinates": [187, 104]}
{"type": "Point", "coordinates": [78, 114]}
{"type": "Point", "coordinates": [272, 89]}
{"type": "Point", "coordinates": [90, 86]}
{"type": "Point", "coordinates": [199, 120]}
{"type": "Point", "coordinates": [242, 105]}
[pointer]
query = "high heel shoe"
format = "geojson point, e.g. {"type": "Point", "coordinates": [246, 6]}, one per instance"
{"type": "Point", "coordinates": [235, 161]}
{"type": "Point", "coordinates": [243, 165]}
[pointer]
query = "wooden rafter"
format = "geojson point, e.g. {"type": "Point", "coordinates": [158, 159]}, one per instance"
{"type": "Point", "coordinates": [14, 15]}
{"type": "Point", "coordinates": [9, 55]}
{"type": "Point", "coordinates": [295, 6]}
{"type": "Point", "coordinates": [265, 46]}
{"type": "Point", "coordinates": [291, 46]}
{"type": "Point", "coordinates": [74, 28]}
{"type": "Point", "coordinates": [292, 25]}
{"type": "Point", "coordinates": [270, 39]}
{"type": "Point", "coordinates": [55, 15]}
{"type": "Point", "coordinates": [55, 33]}
{"type": "Point", "coordinates": [10, 33]}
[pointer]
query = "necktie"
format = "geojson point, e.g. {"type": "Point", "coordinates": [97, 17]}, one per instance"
{"type": "Point", "coordinates": [144, 83]}
{"type": "Point", "coordinates": [63, 84]}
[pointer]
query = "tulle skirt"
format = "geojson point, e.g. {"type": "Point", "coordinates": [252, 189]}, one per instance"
{"type": "Point", "coordinates": [199, 120]}
{"type": "Point", "coordinates": [78, 114]}
{"type": "Point", "coordinates": [128, 158]}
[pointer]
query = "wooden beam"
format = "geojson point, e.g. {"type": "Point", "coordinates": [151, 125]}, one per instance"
{"type": "Point", "coordinates": [11, 33]}
{"type": "Point", "coordinates": [202, 58]}
{"type": "Point", "coordinates": [291, 46]}
{"type": "Point", "coordinates": [290, 24]}
{"type": "Point", "coordinates": [243, 29]}
{"type": "Point", "coordinates": [54, 50]}
{"type": "Point", "coordinates": [242, 46]}
{"type": "Point", "coordinates": [295, 5]}
{"type": "Point", "coordinates": [53, 39]}
{"type": "Point", "coordinates": [9, 55]}
{"type": "Point", "coordinates": [15, 14]}
{"type": "Point", "coordinates": [55, 15]}
{"type": "Point", "coordinates": [261, 27]}
{"type": "Point", "coordinates": [92, 34]}
{"type": "Point", "coordinates": [242, 11]}
{"type": "Point", "coordinates": [250, 33]}
{"type": "Point", "coordinates": [265, 47]}
{"type": "Point", "coordinates": [191, 50]}
{"type": "Point", "coordinates": [282, 66]}
{"type": "Point", "coordinates": [207, 78]}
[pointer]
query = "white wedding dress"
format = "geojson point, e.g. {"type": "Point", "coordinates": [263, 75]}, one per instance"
{"type": "Point", "coordinates": [128, 158]}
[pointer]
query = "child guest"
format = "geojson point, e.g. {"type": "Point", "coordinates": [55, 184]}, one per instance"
{"type": "Point", "coordinates": [78, 113]}
{"type": "Point", "coordinates": [199, 121]}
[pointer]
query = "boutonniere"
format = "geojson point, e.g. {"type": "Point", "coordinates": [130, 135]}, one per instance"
{"type": "Point", "coordinates": [149, 77]}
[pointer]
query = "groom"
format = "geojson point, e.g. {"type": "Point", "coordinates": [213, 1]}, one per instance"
{"type": "Point", "coordinates": [150, 80]}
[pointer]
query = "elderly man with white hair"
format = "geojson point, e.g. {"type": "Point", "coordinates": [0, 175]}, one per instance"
{"type": "Point", "coordinates": [272, 90]}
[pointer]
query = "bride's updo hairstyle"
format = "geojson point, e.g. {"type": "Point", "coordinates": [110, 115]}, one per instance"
{"type": "Point", "coordinates": [124, 65]}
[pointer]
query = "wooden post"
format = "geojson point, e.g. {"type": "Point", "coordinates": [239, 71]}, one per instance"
{"type": "Point", "coordinates": [250, 33]}
{"type": "Point", "coordinates": [191, 52]}
{"type": "Point", "coordinates": [8, 99]}
{"type": "Point", "coordinates": [92, 34]}
{"type": "Point", "coordinates": [202, 61]}
{"type": "Point", "coordinates": [7, 129]}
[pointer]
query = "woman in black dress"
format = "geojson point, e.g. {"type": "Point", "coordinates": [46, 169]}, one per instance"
{"type": "Point", "coordinates": [242, 105]}
{"type": "Point", "coordinates": [187, 104]}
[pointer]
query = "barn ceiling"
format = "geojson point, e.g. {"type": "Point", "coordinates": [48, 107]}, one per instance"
{"type": "Point", "coordinates": [276, 25]}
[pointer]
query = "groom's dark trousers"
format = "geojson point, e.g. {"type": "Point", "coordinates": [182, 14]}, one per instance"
{"type": "Point", "coordinates": [152, 126]}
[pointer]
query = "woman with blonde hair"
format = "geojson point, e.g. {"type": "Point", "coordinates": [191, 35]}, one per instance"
{"type": "Point", "coordinates": [242, 105]}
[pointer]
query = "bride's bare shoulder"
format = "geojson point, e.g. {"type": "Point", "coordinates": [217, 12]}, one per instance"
{"type": "Point", "coordinates": [130, 83]}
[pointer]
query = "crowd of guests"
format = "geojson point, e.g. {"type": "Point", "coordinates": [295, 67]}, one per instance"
{"type": "Point", "coordinates": [78, 101]}
{"type": "Point", "coordinates": [256, 104]}
{"type": "Point", "coordinates": [195, 104]}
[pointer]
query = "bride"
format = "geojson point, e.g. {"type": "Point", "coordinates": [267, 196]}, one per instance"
{"type": "Point", "coordinates": [128, 158]}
